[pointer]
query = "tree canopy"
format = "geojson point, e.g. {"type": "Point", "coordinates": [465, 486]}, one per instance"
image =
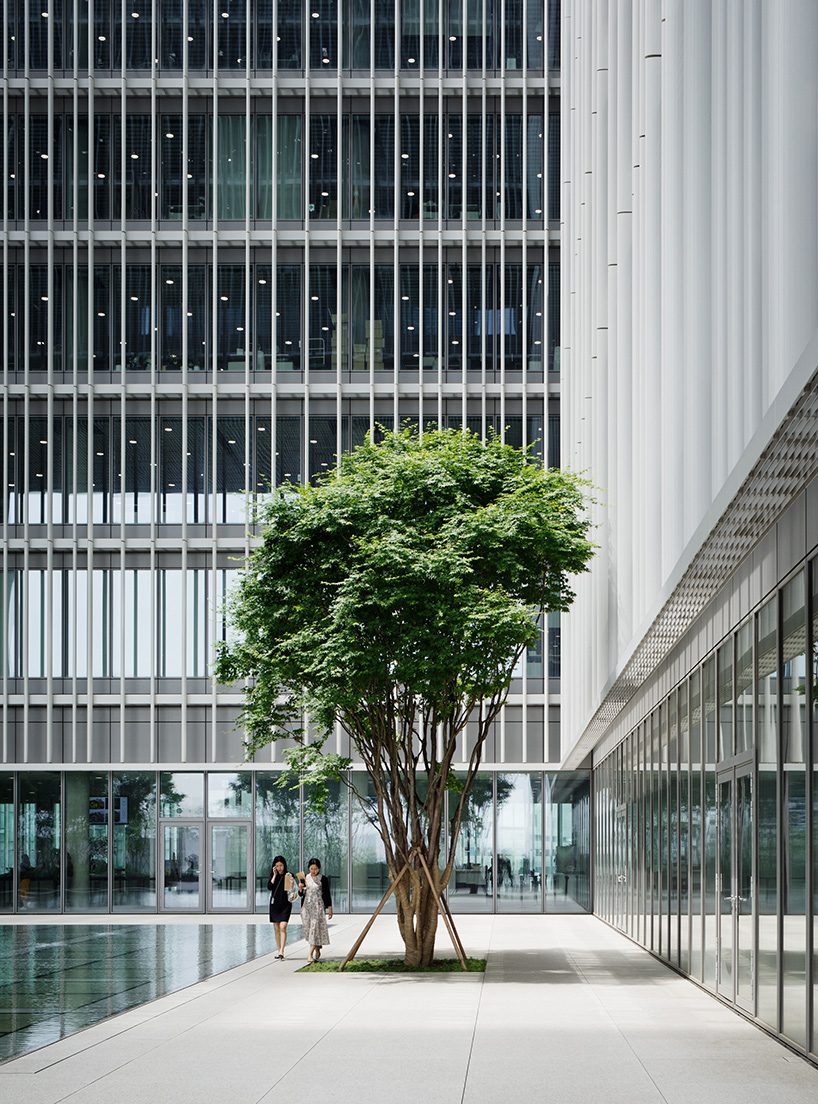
{"type": "Point", "coordinates": [394, 598]}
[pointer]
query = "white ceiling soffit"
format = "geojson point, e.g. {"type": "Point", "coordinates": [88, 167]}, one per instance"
{"type": "Point", "coordinates": [784, 468]}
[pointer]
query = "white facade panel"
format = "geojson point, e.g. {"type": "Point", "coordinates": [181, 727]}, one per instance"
{"type": "Point", "coordinates": [690, 265]}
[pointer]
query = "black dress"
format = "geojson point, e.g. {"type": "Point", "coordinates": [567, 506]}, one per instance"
{"type": "Point", "coordinates": [280, 907]}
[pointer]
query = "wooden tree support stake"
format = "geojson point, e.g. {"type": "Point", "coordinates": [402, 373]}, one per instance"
{"type": "Point", "coordinates": [442, 908]}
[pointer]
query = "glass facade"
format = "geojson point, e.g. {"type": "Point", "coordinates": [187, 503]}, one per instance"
{"type": "Point", "coordinates": [211, 292]}
{"type": "Point", "coordinates": [204, 841]}
{"type": "Point", "coordinates": [706, 826]}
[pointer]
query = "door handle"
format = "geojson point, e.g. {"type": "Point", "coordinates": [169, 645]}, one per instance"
{"type": "Point", "coordinates": [733, 898]}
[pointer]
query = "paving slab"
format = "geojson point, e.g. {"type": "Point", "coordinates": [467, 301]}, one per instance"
{"type": "Point", "coordinates": [567, 1009]}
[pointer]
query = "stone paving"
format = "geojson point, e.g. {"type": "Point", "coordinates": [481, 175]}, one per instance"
{"type": "Point", "coordinates": [567, 1011]}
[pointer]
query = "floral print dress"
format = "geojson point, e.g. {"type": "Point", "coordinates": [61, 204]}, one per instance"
{"type": "Point", "coordinates": [313, 916]}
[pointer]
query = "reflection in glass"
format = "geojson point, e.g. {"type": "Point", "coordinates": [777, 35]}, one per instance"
{"type": "Point", "coordinates": [323, 446]}
{"type": "Point", "coordinates": [323, 167]}
{"type": "Point", "coordinates": [553, 316]}
{"type": "Point", "coordinates": [289, 33]}
{"type": "Point", "coordinates": [710, 820]}
{"type": "Point", "coordinates": [135, 19]}
{"type": "Point", "coordinates": [745, 923]}
{"type": "Point", "coordinates": [671, 949]}
{"type": "Point", "coordinates": [230, 795]}
{"type": "Point", "coordinates": [38, 841]}
{"type": "Point", "coordinates": [370, 877]}
{"type": "Point", "coordinates": [181, 856]}
{"type": "Point", "coordinates": [370, 188]}
{"type": "Point", "coordinates": [178, 316]}
{"type": "Point", "coordinates": [519, 842]}
{"type": "Point", "coordinates": [656, 834]}
{"type": "Point", "coordinates": [173, 33]}
{"type": "Point", "coordinates": [86, 841]}
{"type": "Point", "coordinates": [287, 166]}
{"type": "Point", "coordinates": [793, 752]}
{"type": "Point", "coordinates": [176, 177]}
{"type": "Point", "coordinates": [231, 476]}
{"type": "Point", "coordinates": [323, 318]}
{"type": "Point", "coordinates": [232, 33]}
{"type": "Point", "coordinates": [727, 890]}
{"type": "Point", "coordinates": [232, 334]}
{"type": "Point", "coordinates": [181, 794]}
{"type": "Point", "coordinates": [767, 965]}
{"type": "Point", "coordinates": [288, 451]}
{"type": "Point", "coordinates": [231, 166]}
{"type": "Point", "coordinates": [419, 196]}
{"type": "Point", "coordinates": [228, 866]}
{"type": "Point", "coordinates": [137, 167]}
{"type": "Point", "coordinates": [323, 34]}
{"type": "Point", "coordinates": [6, 842]}
{"type": "Point", "coordinates": [684, 829]}
{"type": "Point", "coordinates": [744, 689]}
{"type": "Point", "coordinates": [40, 297]}
{"type": "Point", "coordinates": [277, 831]}
{"type": "Point", "coordinates": [325, 837]}
{"type": "Point", "coordinates": [45, 164]}
{"type": "Point", "coordinates": [288, 318]}
{"type": "Point", "coordinates": [724, 659]}
{"type": "Point", "coordinates": [137, 340]}
{"type": "Point", "coordinates": [372, 339]}
{"type": "Point", "coordinates": [567, 863]}
{"type": "Point", "coordinates": [813, 576]}
{"type": "Point", "coordinates": [134, 842]}
{"type": "Point", "coordinates": [472, 882]}
{"type": "Point", "coordinates": [553, 168]}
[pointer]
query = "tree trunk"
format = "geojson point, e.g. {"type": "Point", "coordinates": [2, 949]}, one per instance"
{"type": "Point", "coordinates": [417, 918]}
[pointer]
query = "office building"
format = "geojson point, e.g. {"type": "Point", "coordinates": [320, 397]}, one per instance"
{"type": "Point", "coordinates": [237, 237]}
{"type": "Point", "coordinates": [690, 272]}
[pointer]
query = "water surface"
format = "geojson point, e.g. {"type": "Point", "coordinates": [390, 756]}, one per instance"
{"type": "Point", "coordinates": [56, 979]}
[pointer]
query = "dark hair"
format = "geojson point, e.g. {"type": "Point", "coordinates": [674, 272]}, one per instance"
{"type": "Point", "coordinates": [280, 858]}
{"type": "Point", "coordinates": [314, 862]}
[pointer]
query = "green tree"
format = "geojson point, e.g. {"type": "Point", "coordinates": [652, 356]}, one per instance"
{"type": "Point", "coordinates": [394, 598]}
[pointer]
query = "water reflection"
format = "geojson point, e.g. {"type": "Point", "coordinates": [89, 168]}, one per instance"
{"type": "Point", "coordinates": [57, 979]}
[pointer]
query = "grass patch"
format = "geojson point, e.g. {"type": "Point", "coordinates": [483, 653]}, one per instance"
{"type": "Point", "coordinates": [394, 966]}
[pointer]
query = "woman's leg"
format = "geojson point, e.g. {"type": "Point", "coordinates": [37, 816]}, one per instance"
{"type": "Point", "coordinates": [277, 927]}
{"type": "Point", "coordinates": [282, 943]}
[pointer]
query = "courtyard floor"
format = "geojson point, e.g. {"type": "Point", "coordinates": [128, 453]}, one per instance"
{"type": "Point", "coordinates": [567, 1011]}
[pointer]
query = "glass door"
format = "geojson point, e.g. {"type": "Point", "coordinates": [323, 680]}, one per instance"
{"type": "Point", "coordinates": [736, 964]}
{"type": "Point", "coordinates": [745, 904]}
{"type": "Point", "coordinates": [725, 939]}
{"type": "Point", "coordinates": [180, 869]}
{"type": "Point", "coordinates": [228, 863]}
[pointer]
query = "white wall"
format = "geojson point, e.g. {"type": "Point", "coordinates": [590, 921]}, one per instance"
{"type": "Point", "coordinates": [689, 278]}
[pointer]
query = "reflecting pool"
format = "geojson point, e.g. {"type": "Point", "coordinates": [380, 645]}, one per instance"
{"type": "Point", "coordinates": [57, 979]}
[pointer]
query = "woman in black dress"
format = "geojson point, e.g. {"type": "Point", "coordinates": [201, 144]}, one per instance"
{"type": "Point", "coordinates": [279, 885]}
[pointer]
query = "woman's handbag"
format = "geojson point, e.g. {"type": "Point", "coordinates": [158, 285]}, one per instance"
{"type": "Point", "coordinates": [291, 885]}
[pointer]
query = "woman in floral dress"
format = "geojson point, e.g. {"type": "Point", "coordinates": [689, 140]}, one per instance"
{"type": "Point", "coordinates": [316, 908]}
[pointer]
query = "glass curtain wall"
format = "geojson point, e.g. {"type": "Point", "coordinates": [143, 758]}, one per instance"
{"type": "Point", "coordinates": [736, 873]}
{"type": "Point", "coordinates": [232, 327]}
{"type": "Point", "coordinates": [178, 251]}
{"type": "Point", "coordinates": [476, 35]}
{"type": "Point", "coordinates": [524, 844]}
